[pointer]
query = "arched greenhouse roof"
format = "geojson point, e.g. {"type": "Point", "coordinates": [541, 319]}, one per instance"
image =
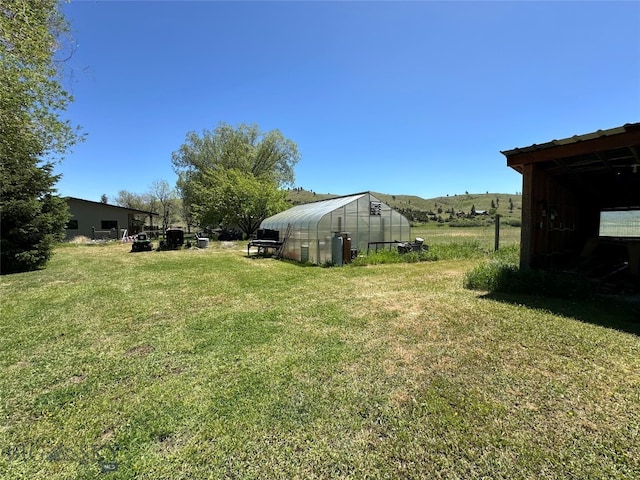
{"type": "Point", "coordinates": [310, 213]}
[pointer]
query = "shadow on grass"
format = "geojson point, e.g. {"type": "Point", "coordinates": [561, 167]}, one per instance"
{"type": "Point", "coordinates": [619, 313]}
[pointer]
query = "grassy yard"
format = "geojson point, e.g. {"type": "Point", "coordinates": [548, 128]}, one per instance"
{"type": "Point", "coordinates": [208, 364]}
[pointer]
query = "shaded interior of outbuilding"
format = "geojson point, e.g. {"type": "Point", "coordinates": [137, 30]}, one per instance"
{"type": "Point", "coordinates": [569, 187]}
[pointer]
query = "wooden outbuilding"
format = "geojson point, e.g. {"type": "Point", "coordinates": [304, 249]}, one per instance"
{"type": "Point", "coordinates": [581, 199]}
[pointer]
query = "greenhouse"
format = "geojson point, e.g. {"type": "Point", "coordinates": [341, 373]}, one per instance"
{"type": "Point", "coordinates": [335, 230]}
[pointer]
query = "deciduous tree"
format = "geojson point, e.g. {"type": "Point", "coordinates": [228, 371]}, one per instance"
{"type": "Point", "coordinates": [161, 192]}
{"type": "Point", "coordinates": [240, 199]}
{"type": "Point", "coordinates": [232, 176]}
{"type": "Point", "coordinates": [131, 200]}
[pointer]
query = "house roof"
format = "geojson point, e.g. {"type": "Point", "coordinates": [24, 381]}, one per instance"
{"type": "Point", "coordinates": [134, 210]}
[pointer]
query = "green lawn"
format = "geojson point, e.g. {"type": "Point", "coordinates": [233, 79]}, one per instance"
{"type": "Point", "coordinates": [208, 364]}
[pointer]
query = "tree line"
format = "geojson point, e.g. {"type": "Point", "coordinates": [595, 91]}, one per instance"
{"type": "Point", "coordinates": [160, 198]}
{"type": "Point", "coordinates": [231, 177]}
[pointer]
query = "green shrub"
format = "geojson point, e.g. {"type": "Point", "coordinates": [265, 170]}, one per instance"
{"type": "Point", "coordinates": [470, 222]}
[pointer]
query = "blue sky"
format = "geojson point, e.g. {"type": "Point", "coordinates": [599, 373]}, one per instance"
{"type": "Point", "coordinates": [414, 98]}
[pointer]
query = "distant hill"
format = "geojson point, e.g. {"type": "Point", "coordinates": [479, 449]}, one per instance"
{"type": "Point", "coordinates": [299, 196]}
{"type": "Point", "coordinates": [509, 206]}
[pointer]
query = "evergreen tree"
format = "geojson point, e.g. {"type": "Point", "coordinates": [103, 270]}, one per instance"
{"type": "Point", "coordinates": [32, 133]}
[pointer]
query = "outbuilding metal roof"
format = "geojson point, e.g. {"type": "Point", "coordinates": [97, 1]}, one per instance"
{"type": "Point", "coordinates": [134, 210]}
{"type": "Point", "coordinates": [573, 139]}
{"type": "Point", "coordinates": [602, 150]}
{"type": "Point", "coordinates": [604, 164]}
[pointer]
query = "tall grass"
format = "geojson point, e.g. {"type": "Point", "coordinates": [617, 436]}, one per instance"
{"type": "Point", "coordinates": [462, 250]}
{"type": "Point", "coordinates": [501, 273]}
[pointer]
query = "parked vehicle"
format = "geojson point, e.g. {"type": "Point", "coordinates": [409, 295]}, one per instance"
{"type": "Point", "coordinates": [142, 243]}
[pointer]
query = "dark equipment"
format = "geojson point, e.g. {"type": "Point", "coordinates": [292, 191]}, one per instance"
{"type": "Point", "coordinates": [142, 243]}
{"type": "Point", "coordinates": [417, 246]}
{"type": "Point", "coordinates": [227, 235]}
{"type": "Point", "coordinates": [173, 239]}
{"type": "Point", "coordinates": [268, 234]}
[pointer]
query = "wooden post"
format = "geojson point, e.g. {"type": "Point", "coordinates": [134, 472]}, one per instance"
{"type": "Point", "coordinates": [528, 228]}
{"type": "Point", "coordinates": [497, 242]}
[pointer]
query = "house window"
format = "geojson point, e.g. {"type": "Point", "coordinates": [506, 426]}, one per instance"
{"type": "Point", "coordinates": [108, 224]}
{"type": "Point", "coordinates": [620, 223]}
{"type": "Point", "coordinates": [375, 208]}
{"type": "Point", "coordinates": [72, 225]}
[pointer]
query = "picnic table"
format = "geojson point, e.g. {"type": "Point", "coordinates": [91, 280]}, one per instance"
{"type": "Point", "coordinates": [264, 246]}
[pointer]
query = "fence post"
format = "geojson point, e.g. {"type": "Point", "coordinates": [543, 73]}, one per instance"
{"type": "Point", "coordinates": [497, 239]}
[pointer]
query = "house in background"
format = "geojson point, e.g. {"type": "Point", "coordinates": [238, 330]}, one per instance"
{"type": "Point", "coordinates": [581, 201]}
{"type": "Point", "coordinates": [100, 221]}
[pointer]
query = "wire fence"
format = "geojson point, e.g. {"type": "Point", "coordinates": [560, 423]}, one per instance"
{"type": "Point", "coordinates": [485, 236]}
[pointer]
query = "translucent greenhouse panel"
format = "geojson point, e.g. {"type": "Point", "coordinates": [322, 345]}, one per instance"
{"type": "Point", "coordinates": [290, 250]}
{"type": "Point", "coordinates": [324, 226]}
{"type": "Point", "coordinates": [313, 251]}
{"type": "Point", "coordinates": [360, 238]}
{"type": "Point", "coordinates": [324, 250]}
{"type": "Point", "coordinates": [312, 241]}
{"type": "Point", "coordinates": [337, 220]}
{"type": "Point", "coordinates": [363, 234]}
{"type": "Point", "coordinates": [397, 232]}
{"type": "Point", "coordinates": [303, 245]}
{"type": "Point", "coordinates": [351, 222]}
{"type": "Point", "coordinates": [394, 231]}
{"type": "Point", "coordinates": [321, 230]}
{"type": "Point", "coordinates": [375, 229]}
